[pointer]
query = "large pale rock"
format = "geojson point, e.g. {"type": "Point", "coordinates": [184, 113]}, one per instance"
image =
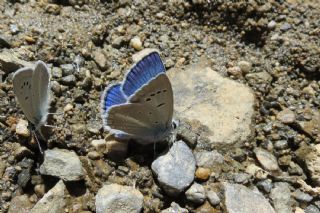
{"type": "Point", "coordinates": [117, 198]}
{"type": "Point", "coordinates": [53, 201]}
{"type": "Point", "coordinates": [240, 199]}
{"type": "Point", "coordinates": [62, 163]}
{"type": "Point", "coordinates": [220, 108]}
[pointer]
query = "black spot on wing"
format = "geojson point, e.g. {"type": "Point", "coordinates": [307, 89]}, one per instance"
{"type": "Point", "coordinates": [162, 104]}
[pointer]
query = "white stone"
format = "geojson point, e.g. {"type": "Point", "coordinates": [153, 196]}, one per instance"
{"type": "Point", "coordinates": [267, 159]}
{"type": "Point", "coordinates": [208, 159]}
{"type": "Point", "coordinates": [174, 208]}
{"type": "Point", "coordinates": [22, 128]}
{"type": "Point", "coordinates": [136, 43]}
{"type": "Point", "coordinates": [118, 199]}
{"type": "Point", "coordinates": [196, 193]}
{"type": "Point", "coordinates": [222, 107]}
{"type": "Point", "coordinates": [175, 169]}
{"type": "Point", "coordinates": [62, 163]}
{"type": "Point", "coordinates": [239, 198]}
{"type": "Point", "coordinates": [53, 201]}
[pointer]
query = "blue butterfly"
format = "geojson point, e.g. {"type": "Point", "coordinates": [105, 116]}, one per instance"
{"type": "Point", "coordinates": [140, 107]}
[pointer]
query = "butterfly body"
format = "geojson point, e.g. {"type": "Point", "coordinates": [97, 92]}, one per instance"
{"type": "Point", "coordinates": [141, 107]}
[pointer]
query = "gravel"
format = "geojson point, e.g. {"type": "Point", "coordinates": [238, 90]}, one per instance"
{"type": "Point", "coordinates": [249, 68]}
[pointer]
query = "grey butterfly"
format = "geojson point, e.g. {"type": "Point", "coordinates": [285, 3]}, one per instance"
{"type": "Point", "coordinates": [31, 87]}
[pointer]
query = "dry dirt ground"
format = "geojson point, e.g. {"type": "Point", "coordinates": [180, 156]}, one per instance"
{"type": "Point", "coordinates": [89, 44]}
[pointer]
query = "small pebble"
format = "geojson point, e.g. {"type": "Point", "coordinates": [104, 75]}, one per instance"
{"type": "Point", "coordinates": [136, 43]}
{"type": "Point", "coordinates": [298, 210]}
{"type": "Point", "coordinates": [241, 178]}
{"type": "Point", "coordinates": [118, 42]}
{"type": "Point", "coordinates": [174, 208]}
{"type": "Point", "coordinates": [6, 195]}
{"type": "Point", "coordinates": [69, 80]}
{"type": "Point", "coordinates": [213, 198]}
{"type": "Point", "coordinates": [22, 128]}
{"type": "Point", "coordinates": [14, 29]}
{"type": "Point", "coordinates": [68, 107]}
{"type": "Point", "coordinates": [100, 59]}
{"type": "Point", "coordinates": [235, 71]}
{"type": "Point", "coordinates": [272, 25]}
{"type": "Point", "coordinates": [116, 149]}
{"type": "Point", "coordinates": [196, 193]}
{"type": "Point", "coordinates": [265, 185]}
{"type": "Point", "coordinates": [266, 159]}
{"type": "Point", "coordinates": [286, 26]}
{"type": "Point", "coordinates": [281, 144]}
{"type": "Point", "coordinates": [302, 196]}
{"type": "Point", "coordinates": [56, 72]}
{"type": "Point", "coordinates": [39, 189]}
{"type": "Point", "coordinates": [286, 116]}
{"type": "Point", "coordinates": [245, 66]}
{"type": "Point", "coordinates": [67, 69]}
{"type": "Point", "coordinates": [203, 174]}
{"type": "Point", "coordinates": [30, 40]}
{"type": "Point", "coordinates": [99, 145]}
{"type": "Point", "coordinates": [21, 152]}
{"type": "Point", "coordinates": [94, 155]}
{"type": "Point", "coordinates": [311, 209]}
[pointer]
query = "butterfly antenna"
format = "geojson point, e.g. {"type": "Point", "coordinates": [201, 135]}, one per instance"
{"type": "Point", "coordinates": [154, 150]}
{"type": "Point", "coordinates": [38, 142]}
{"type": "Point", "coordinates": [56, 113]}
{"type": "Point", "coordinates": [51, 126]}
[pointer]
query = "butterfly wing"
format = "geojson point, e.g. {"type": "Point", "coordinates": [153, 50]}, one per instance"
{"type": "Point", "coordinates": [142, 72]}
{"type": "Point", "coordinates": [40, 92]}
{"type": "Point", "coordinates": [22, 87]}
{"type": "Point", "coordinates": [111, 96]}
{"type": "Point", "coordinates": [157, 94]}
{"type": "Point", "coordinates": [137, 120]}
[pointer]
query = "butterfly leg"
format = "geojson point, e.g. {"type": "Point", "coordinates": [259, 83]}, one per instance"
{"type": "Point", "coordinates": [38, 142]}
{"type": "Point", "coordinates": [51, 126]}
